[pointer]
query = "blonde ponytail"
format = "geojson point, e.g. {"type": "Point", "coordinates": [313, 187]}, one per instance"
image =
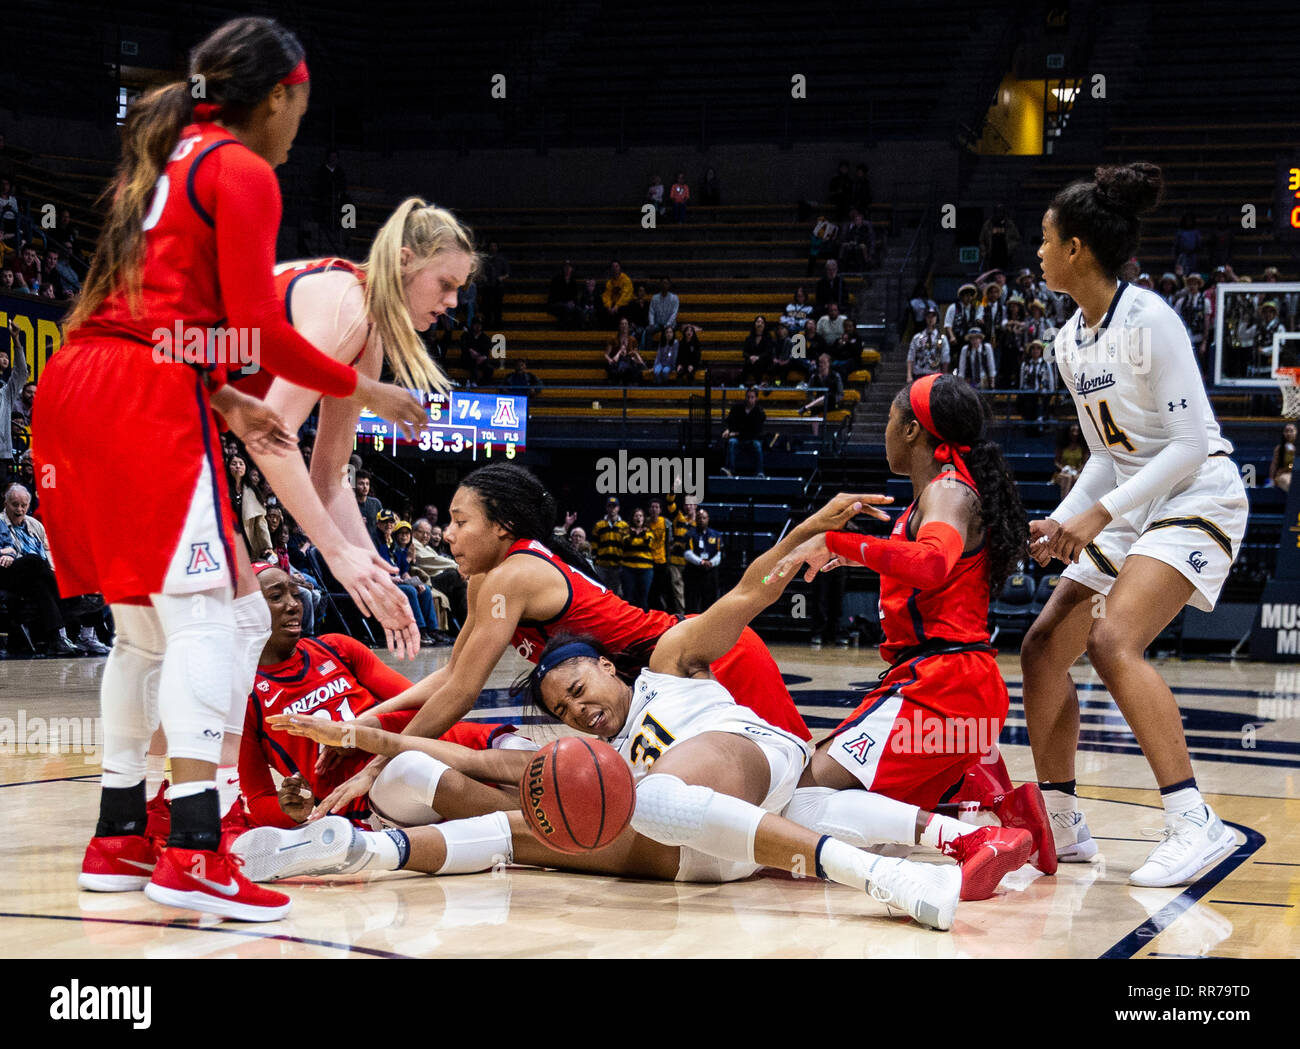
{"type": "Point", "coordinates": [429, 231]}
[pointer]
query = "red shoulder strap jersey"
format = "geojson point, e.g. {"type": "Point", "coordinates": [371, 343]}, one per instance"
{"type": "Point", "coordinates": [286, 275]}
{"type": "Point", "coordinates": [955, 610]}
{"type": "Point", "coordinates": [591, 609]}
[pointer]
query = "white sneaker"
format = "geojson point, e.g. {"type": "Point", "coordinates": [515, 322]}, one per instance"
{"type": "Point", "coordinates": [927, 891]}
{"type": "Point", "coordinates": [322, 847]}
{"type": "Point", "coordinates": [1192, 840]}
{"type": "Point", "coordinates": [1073, 842]}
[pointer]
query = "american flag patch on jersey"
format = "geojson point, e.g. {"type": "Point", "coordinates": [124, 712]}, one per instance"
{"type": "Point", "coordinates": [327, 666]}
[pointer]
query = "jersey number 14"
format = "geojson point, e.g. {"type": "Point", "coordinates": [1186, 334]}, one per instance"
{"type": "Point", "coordinates": [1108, 431]}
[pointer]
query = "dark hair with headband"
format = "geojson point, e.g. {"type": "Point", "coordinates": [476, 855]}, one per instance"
{"type": "Point", "coordinates": [516, 500]}
{"type": "Point", "coordinates": [1103, 213]}
{"type": "Point", "coordinates": [958, 416]}
{"type": "Point", "coordinates": [564, 648]}
{"type": "Point", "coordinates": [240, 63]}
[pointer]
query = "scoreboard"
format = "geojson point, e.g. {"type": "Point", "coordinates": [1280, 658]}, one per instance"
{"type": "Point", "coordinates": [1286, 205]}
{"type": "Point", "coordinates": [479, 425]}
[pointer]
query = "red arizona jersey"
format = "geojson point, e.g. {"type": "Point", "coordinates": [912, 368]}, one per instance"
{"type": "Point", "coordinates": [591, 609]}
{"type": "Point", "coordinates": [286, 275]}
{"type": "Point", "coordinates": [955, 610]}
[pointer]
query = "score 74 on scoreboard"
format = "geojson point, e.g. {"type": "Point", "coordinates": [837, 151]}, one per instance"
{"type": "Point", "coordinates": [484, 425]}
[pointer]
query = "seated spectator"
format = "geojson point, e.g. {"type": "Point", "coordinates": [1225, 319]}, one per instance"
{"type": "Point", "coordinates": [1038, 380]}
{"type": "Point", "coordinates": [1168, 288]}
{"type": "Point", "coordinates": [857, 243]}
{"type": "Point", "coordinates": [68, 233]}
{"type": "Point", "coordinates": [637, 564]}
{"type": "Point", "coordinates": [830, 289]}
{"type": "Point", "coordinates": [617, 295]}
{"type": "Point", "coordinates": [1037, 324]}
{"type": "Point", "coordinates": [745, 426]}
{"type": "Point", "coordinates": [522, 382]}
{"type": "Point", "coordinates": [410, 572]}
{"type": "Point", "coordinates": [367, 504]}
{"type": "Point", "coordinates": [688, 354]}
{"type": "Point", "coordinates": [710, 189]}
{"type": "Point", "coordinates": [466, 299]}
{"type": "Point", "coordinates": [476, 354]}
{"type": "Point", "coordinates": [756, 354]}
{"type": "Point", "coordinates": [831, 325]}
{"type": "Point", "coordinates": [1011, 342]}
{"type": "Point", "coordinates": [416, 590]}
{"type": "Point", "coordinates": [977, 364]}
{"type": "Point", "coordinates": [824, 242]}
{"type": "Point", "coordinates": [813, 344]}
{"type": "Point", "coordinates": [589, 305]}
{"type": "Point", "coordinates": [13, 379]}
{"type": "Point", "coordinates": [623, 363]}
{"type": "Point", "coordinates": [250, 514]}
{"type": "Point", "coordinates": [562, 299]}
{"type": "Point", "coordinates": [846, 352]}
{"type": "Point", "coordinates": [839, 194]}
{"type": "Point", "coordinates": [27, 570]}
{"type": "Point", "coordinates": [680, 194]}
{"type": "Point", "coordinates": [703, 557]}
{"type": "Point", "coordinates": [826, 380]}
{"type": "Point", "coordinates": [1282, 464]}
{"type": "Point", "coordinates": [11, 281]}
{"type": "Point", "coordinates": [638, 315]}
{"type": "Point", "coordinates": [61, 275]}
{"type": "Point", "coordinates": [665, 367]}
{"type": "Point", "coordinates": [663, 310]}
{"type": "Point", "coordinates": [798, 311]}
{"type": "Point", "coordinates": [961, 316]}
{"type": "Point", "coordinates": [432, 561]}
{"type": "Point", "coordinates": [784, 361]}
{"type": "Point", "coordinates": [29, 268]}
{"type": "Point", "coordinates": [928, 352]}
{"type": "Point", "coordinates": [1071, 453]}
{"type": "Point", "coordinates": [655, 195]}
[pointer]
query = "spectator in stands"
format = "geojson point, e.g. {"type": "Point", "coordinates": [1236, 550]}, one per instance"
{"type": "Point", "coordinates": [710, 189]}
{"type": "Point", "coordinates": [830, 289]}
{"type": "Point", "coordinates": [679, 521]}
{"type": "Point", "coordinates": [831, 325]}
{"type": "Point", "coordinates": [617, 294]}
{"type": "Point", "coordinates": [1270, 325]}
{"type": "Point", "coordinates": [476, 354]}
{"type": "Point", "coordinates": [67, 232]}
{"type": "Point", "coordinates": [1190, 305]}
{"type": "Point", "coordinates": [1145, 282]}
{"type": "Point", "coordinates": [413, 573]}
{"type": "Point", "coordinates": [638, 316]}
{"type": "Point", "coordinates": [814, 345]}
{"type": "Point", "coordinates": [27, 569]}
{"type": "Point", "coordinates": [623, 362]}
{"type": "Point", "coordinates": [928, 351]}
{"type": "Point", "coordinates": [666, 356]}
{"type": "Point", "coordinates": [1071, 454]}
{"type": "Point", "coordinates": [28, 399]}
{"type": "Point", "coordinates": [680, 194]}
{"type": "Point", "coordinates": [862, 189]}
{"type": "Point", "coordinates": [259, 484]}
{"type": "Point", "coordinates": [430, 556]}
{"type": "Point", "coordinates": [9, 214]}
{"type": "Point", "coordinates": [839, 194]}
{"type": "Point", "coordinates": [1283, 461]}
{"type": "Point", "coordinates": [250, 514]}
{"type": "Point", "coordinates": [1168, 288]}
{"type": "Point", "coordinates": [1038, 380]}
{"type": "Point", "coordinates": [578, 540]}
{"type": "Point", "coordinates": [57, 271]}
{"type": "Point", "coordinates": [999, 239]}
{"type": "Point", "coordinates": [784, 361]}
{"type": "Point", "coordinates": [688, 354]}
{"type": "Point", "coordinates": [466, 299]}
{"type": "Point", "coordinates": [29, 268]}
{"type": "Point", "coordinates": [13, 376]}
{"type": "Point", "coordinates": [522, 382]}
{"type": "Point", "coordinates": [846, 352]}
{"type": "Point", "coordinates": [655, 195]}
{"type": "Point", "coordinates": [993, 319]}
{"type": "Point", "coordinates": [607, 537]}
{"type": "Point", "coordinates": [977, 365]}
{"type": "Point", "coordinates": [1130, 271]}
{"type": "Point", "coordinates": [756, 354]}
{"type": "Point", "coordinates": [703, 558]}
{"type": "Point", "coordinates": [1187, 244]}
{"type": "Point", "coordinates": [823, 243]}
{"type": "Point", "coordinates": [589, 304]}
{"type": "Point", "coordinates": [416, 590]}
{"type": "Point", "coordinates": [745, 426]}
{"type": "Point", "coordinates": [330, 197]}
{"type": "Point", "coordinates": [797, 311]}
{"type": "Point", "coordinates": [857, 243]}
{"type": "Point", "coordinates": [492, 285]}
{"type": "Point", "coordinates": [1027, 284]}
{"type": "Point", "coordinates": [11, 281]}
{"type": "Point", "coordinates": [1288, 302]}
{"type": "Point", "coordinates": [48, 290]}
{"type": "Point", "coordinates": [562, 299]}
{"type": "Point", "coordinates": [430, 515]}
{"type": "Point", "coordinates": [913, 319]}
{"type": "Point", "coordinates": [826, 379]}
{"type": "Point", "coordinates": [1037, 324]}
{"type": "Point", "coordinates": [660, 532]}
{"type": "Point", "coordinates": [367, 504]}
{"type": "Point", "coordinates": [961, 316]}
{"type": "Point", "coordinates": [637, 564]}
{"type": "Point", "coordinates": [663, 309]}
{"type": "Point", "coordinates": [1014, 342]}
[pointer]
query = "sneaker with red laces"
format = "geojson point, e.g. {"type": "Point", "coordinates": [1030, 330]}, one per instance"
{"type": "Point", "coordinates": [1024, 809]}
{"type": "Point", "coordinates": [160, 816]}
{"type": "Point", "coordinates": [199, 880]}
{"type": "Point", "coordinates": [985, 855]}
{"type": "Point", "coordinates": [234, 823]}
{"type": "Point", "coordinates": [118, 864]}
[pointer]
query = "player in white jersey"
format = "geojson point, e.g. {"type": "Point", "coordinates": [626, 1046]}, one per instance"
{"type": "Point", "coordinates": [1153, 523]}
{"type": "Point", "coordinates": [711, 775]}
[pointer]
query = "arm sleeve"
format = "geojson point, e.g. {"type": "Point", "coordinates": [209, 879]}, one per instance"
{"type": "Point", "coordinates": [923, 564]}
{"type": "Point", "coordinates": [379, 679]}
{"type": "Point", "coordinates": [255, 779]}
{"type": "Point", "coordinates": [246, 213]}
{"type": "Point", "coordinates": [1098, 474]}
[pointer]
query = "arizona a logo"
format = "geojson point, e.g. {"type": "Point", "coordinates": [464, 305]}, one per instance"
{"type": "Point", "coordinates": [860, 747]}
{"type": "Point", "coordinates": [202, 560]}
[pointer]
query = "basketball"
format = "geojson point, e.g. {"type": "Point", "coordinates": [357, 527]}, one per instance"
{"type": "Point", "coordinates": [577, 794]}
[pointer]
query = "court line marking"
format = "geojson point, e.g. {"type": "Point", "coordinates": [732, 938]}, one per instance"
{"type": "Point", "coordinates": [89, 777]}
{"type": "Point", "coordinates": [1247, 903]}
{"type": "Point", "coordinates": [1274, 863]}
{"type": "Point", "coordinates": [186, 926]}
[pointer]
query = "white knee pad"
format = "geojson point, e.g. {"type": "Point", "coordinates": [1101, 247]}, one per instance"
{"type": "Point", "coordinates": [194, 688]}
{"type": "Point", "coordinates": [672, 813]}
{"type": "Point", "coordinates": [403, 792]}
{"type": "Point", "coordinates": [477, 844]}
{"type": "Point", "coordinates": [856, 817]}
{"type": "Point", "coordinates": [252, 631]}
{"type": "Point", "coordinates": [129, 693]}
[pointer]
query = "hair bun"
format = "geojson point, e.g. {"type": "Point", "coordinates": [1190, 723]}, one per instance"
{"type": "Point", "coordinates": [1130, 189]}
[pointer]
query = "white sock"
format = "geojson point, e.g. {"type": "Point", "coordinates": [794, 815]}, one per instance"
{"type": "Point", "coordinates": [381, 853]}
{"type": "Point", "coordinates": [842, 863]}
{"type": "Point", "coordinates": [1058, 801]}
{"type": "Point", "coordinates": [942, 829]}
{"type": "Point", "coordinates": [155, 772]}
{"type": "Point", "coordinates": [188, 790]}
{"type": "Point", "coordinates": [87, 633]}
{"type": "Point", "coordinates": [1182, 801]}
{"type": "Point", "coordinates": [227, 786]}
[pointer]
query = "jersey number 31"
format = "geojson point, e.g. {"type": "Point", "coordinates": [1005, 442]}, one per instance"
{"type": "Point", "coordinates": [650, 743]}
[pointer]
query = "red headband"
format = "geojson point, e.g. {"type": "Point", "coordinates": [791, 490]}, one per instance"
{"type": "Point", "coordinates": [946, 452]}
{"type": "Point", "coordinates": [206, 111]}
{"type": "Point", "coordinates": [261, 566]}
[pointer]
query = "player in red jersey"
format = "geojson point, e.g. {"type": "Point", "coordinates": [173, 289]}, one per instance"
{"type": "Point", "coordinates": [524, 587]}
{"type": "Point", "coordinates": [183, 262]}
{"type": "Point", "coordinates": [940, 706]}
{"type": "Point", "coordinates": [337, 677]}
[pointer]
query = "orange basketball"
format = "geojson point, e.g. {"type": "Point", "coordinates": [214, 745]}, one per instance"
{"type": "Point", "coordinates": [577, 794]}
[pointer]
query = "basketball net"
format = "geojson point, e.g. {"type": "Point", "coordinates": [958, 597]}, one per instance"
{"type": "Point", "coordinates": [1288, 379]}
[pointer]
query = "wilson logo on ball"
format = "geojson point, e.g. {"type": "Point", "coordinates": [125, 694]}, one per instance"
{"type": "Point", "coordinates": [535, 792]}
{"type": "Point", "coordinates": [577, 795]}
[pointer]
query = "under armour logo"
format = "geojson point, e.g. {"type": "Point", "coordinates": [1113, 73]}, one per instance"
{"type": "Point", "coordinates": [1197, 561]}
{"type": "Point", "coordinates": [1182, 403]}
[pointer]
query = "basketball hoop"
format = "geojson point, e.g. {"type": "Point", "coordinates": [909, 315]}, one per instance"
{"type": "Point", "coordinates": [1288, 379]}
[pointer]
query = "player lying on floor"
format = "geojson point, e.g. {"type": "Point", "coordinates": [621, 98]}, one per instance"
{"type": "Point", "coordinates": [712, 777]}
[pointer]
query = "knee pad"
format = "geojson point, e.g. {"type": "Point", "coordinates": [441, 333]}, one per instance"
{"type": "Point", "coordinates": [403, 792]}
{"type": "Point", "coordinates": [673, 813]}
{"type": "Point", "coordinates": [855, 817]}
{"type": "Point", "coordinates": [197, 669]}
{"type": "Point", "coordinates": [252, 631]}
{"type": "Point", "coordinates": [129, 692]}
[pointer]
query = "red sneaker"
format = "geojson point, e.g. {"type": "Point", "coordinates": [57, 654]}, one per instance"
{"type": "Point", "coordinates": [1024, 808]}
{"type": "Point", "coordinates": [118, 864]}
{"type": "Point", "coordinates": [985, 855]}
{"type": "Point", "coordinates": [197, 880]}
{"type": "Point", "coordinates": [236, 822]}
{"type": "Point", "coordinates": [160, 816]}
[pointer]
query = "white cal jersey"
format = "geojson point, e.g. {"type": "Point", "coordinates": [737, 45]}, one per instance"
{"type": "Point", "coordinates": [666, 710]}
{"type": "Point", "coordinates": [1136, 376]}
